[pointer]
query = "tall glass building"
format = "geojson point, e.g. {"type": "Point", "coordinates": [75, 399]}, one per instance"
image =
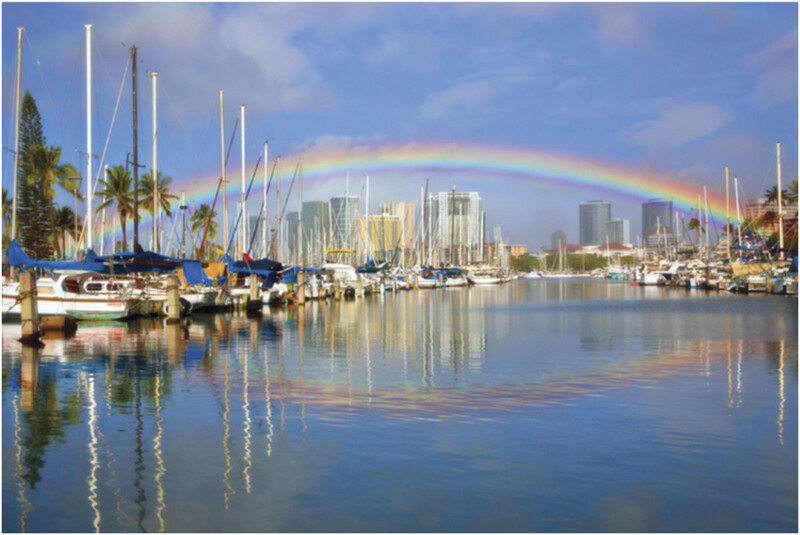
{"type": "Point", "coordinates": [657, 223]}
{"type": "Point", "coordinates": [594, 216]}
{"type": "Point", "coordinates": [344, 221]}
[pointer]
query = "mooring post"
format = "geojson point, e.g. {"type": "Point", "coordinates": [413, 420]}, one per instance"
{"type": "Point", "coordinates": [173, 300]}
{"type": "Point", "coordinates": [29, 310]}
{"type": "Point", "coordinates": [300, 288]}
{"type": "Point", "coordinates": [254, 303]}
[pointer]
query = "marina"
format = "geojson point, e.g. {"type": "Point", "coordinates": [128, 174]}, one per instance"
{"type": "Point", "coordinates": [383, 268]}
{"type": "Point", "coordinates": [535, 405]}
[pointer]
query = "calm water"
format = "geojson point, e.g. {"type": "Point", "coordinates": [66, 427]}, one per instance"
{"type": "Point", "coordinates": [533, 406]}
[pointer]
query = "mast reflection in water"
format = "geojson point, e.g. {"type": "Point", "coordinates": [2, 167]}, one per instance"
{"type": "Point", "coordinates": [531, 406]}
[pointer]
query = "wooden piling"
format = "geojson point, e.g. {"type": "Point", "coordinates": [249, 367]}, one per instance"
{"type": "Point", "coordinates": [173, 300]}
{"type": "Point", "coordinates": [29, 310]}
{"type": "Point", "coordinates": [301, 288]}
{"type": "Point", "coordinates": [254, 303]}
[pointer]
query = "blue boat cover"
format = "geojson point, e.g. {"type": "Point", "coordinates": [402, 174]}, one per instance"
{"type": "Point", "coordinates": [17, 257]}
{"type": "Point", "coordinates": [264, 267]}
{"type": "Point", "coordinates": [194, 274]}
{"type": "Point", "coordinates": [137, 262]}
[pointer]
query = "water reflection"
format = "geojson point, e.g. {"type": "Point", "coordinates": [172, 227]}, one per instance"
{"type": "Point", "coordinates": [439, 355]}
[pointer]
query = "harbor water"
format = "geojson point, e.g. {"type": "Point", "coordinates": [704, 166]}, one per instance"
{"type": "Point", "coordinates": [529, 406]}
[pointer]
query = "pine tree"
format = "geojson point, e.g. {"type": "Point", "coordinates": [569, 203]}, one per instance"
{"type": "Point", "coordinates": [33, 202]}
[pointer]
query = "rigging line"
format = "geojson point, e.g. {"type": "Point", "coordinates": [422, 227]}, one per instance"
{"type": "Point", "coordinates": [261, 212]}
{"type": "Point", "coordinates": [241, 209]}
{"type": "Point", "coordinates": [105, 149]}
{"type": "Point", "coordinates": [219, 185]}
{"type": "Point", "coordinates": [39, 69]}
{"type": "Point", "coordinates": [283, 210]}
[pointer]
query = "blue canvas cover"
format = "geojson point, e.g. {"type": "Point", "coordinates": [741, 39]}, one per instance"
{"type": "Point", "coordinates": [18, 258]}
{"type": "Point", "coordinates": [264, 267]}
{"type": "Point", "coordinates": [137, 262]}
{"type": "Point", "coordinates": [194, 274]}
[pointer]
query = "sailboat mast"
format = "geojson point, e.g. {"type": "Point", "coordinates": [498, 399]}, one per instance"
{"type": "Point", "coordinates": [278, 208]}
{"type": "Point", "coordinates": [300, 216]}
{"type": "Point", "coordinates": [727, 212]}
{"type": "Point", "coordinates": [780, 205]}
{"type": "Point", "coordinates": [264, 225]}
{"type": "Point", "coordinates": [738, 215]}
{"type": "Point", "coordinates": [224, 182]}
{"type": "Point", "coordinates": [17, 113]}
{"type": "Point", "coordinates": [156, 200]}
{"type": "Point", "coordinates": [135, 151]}
{"type": "Point", "coordinates": [88, 135]}
{"type": "Point", "coordinates": [243, 228]}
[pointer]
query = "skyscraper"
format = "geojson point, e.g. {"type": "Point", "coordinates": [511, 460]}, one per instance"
{"type": "Point", "coordinates": [657, 225]}
{"type": "Point", "coordinates": [594, 215]}
{"type": "Point", "coordinates": [344, 221]}
{"type": "Point", "coordinates": [558, 239]}
{"type": "Point", "coordinates": [619, 231]}
{"type": "Point", "coordinates": [457, 226]}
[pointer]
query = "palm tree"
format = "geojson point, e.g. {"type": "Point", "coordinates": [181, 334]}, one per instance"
{"type": "Point", "coordinates": [6, 208]}
{"type": "Point", "coordinates": [199, 219]}
{"type": "Point", "coordinates": [42, 164]}
{"type": "Point", "coordinates": [146, 192]}
{"type": "Point", "coordinates": [65, 223]}
{"type": "Point", "coordinates": [118, 187]}
{"type": "Point", "coordinates": [694, 224]}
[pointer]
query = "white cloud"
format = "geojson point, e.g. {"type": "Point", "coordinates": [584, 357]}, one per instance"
{"type": "Point", "coordinates": [464, 97]}
{"type": "Point", "coordinates": [680, 123]}
{"type": "Point", "coordinates": [777, 63]}
{"type": "Point", "coordinates": [619, 26]}
{"type": "Point", "coordinates": [573, 82]}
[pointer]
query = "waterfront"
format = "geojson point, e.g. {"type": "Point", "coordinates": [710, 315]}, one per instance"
{"type": "Point", "coordinates": [530, 406]}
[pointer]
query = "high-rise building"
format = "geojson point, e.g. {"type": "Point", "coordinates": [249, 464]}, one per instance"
{"type": "Point", "coordinates": [594, 215]}
{"type": "Point", "coordinates": [558, 239]}
{"type": "Point", "coordinates": [344, 221]}
{"type": "Point", "coordinates": [383, 238]}
{"type": "Point", "coordinates": [619, 231]}
{"type": "Point", "coordinates": [657, 226]}
{"type": "Point", "coordinates": [455, 227]}
{"type": "Point", "coordinates": [406, 214]}
{"type": "Point", "coordinates": [316, 230]}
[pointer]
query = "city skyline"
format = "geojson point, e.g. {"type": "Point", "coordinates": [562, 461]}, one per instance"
{"type": "Point", "coordinates": [536, 106]}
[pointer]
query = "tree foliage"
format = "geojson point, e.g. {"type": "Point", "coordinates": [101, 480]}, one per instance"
{"type": "Point", "coordinates": [117, 187]}
{"type": "Point", "coordinates": [32, 199]}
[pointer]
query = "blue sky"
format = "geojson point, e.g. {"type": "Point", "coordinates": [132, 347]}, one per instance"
{"type": "Point", "coordinates": [682, 89]}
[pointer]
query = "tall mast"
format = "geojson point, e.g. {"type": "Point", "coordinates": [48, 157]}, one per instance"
{"type": "Point", "coordinates": [738, 215]}
{"type": "Point", "coordinates": [224, 182]}
{"type": "Point", "coordinates": [17, 112]}
{"type": "Point", "coordinates": [780, 205]}
{"type": "Point", "coordinates": [243, 227]}
{"type": "Point", "coordinates": [154, 176]}
{"type": "Point", "coordinates": [135, 152]}
{"type": "Point", "coordinates": [88, 136]}
{"type": "Point", "coordinates": [299, 244]}
{"type": "Point", "coordinates": [278, 210]}
{"type": "Point", "coordinates": [727, 212]}
{"type": "Point", "coordinates": [264, 225]}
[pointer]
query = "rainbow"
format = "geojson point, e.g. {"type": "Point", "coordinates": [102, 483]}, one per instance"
{"type": "Point", "coordinates": [491, 165]}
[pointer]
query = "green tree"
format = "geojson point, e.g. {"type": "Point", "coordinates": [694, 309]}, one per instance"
{"type": "Point", "coordinates": [697, 227]}
{"type": "Point", "coordinates": [6, 208]}
{"type": "Point", "coordinates": [42, 167]}
{"type": "Point", "coordinates": [32, 199]}
{"type": "Point", "coordinates": [198, 221]}
{"type": "Point", "coordinates": [118, 187]}
{"type": "Point", "coordinates": [65, 223]}
{"type": "Point", "coordinates": [772, 196]}
{"type": "Point", "coordinates": [146, 193]}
